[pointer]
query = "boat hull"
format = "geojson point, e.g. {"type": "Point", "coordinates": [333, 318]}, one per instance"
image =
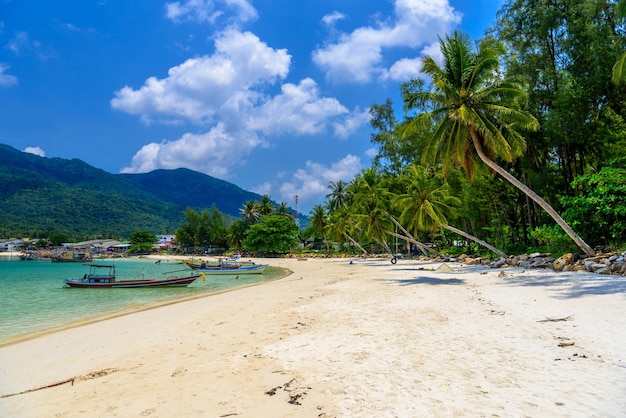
{"type": "Point", "coordinates": [256, 269]}
{"type": "Point", "coordinates": [169, 282]}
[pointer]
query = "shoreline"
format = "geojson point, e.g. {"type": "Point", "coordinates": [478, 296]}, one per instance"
{"type": "Point", "coordinates": [152, 305]}
{"type": "Point", "coordinates": [335, 339]}
{"type": "Point", "coordinates": [128, 311]}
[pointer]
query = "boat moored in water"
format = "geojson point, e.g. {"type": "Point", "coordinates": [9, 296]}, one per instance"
{"type": "Point", "coordinates": [99, 277]}
{"type": "Point", "coordinates": [227, 269]}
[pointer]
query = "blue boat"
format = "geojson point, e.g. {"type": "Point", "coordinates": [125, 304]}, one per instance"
{"type": "Point", "coordinates": [233, 270]}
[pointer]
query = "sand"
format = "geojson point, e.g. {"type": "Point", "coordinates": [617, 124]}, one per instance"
{"type": "Point", "coordinates": [334, 339]}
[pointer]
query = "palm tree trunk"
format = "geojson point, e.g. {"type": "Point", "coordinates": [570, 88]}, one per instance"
{"type": "Point", "coordinates": [475, 239]}
{"type": "Point", "coordinates": [357, 244]}
{"type": "Point", "coordinates": [534, 196]}
{"type": "Point", "coordinates": [424, 249]}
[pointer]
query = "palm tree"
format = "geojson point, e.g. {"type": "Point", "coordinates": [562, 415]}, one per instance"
{"type": "Point", "coordinates": [250, 211]}
{"type": "Point", "coordinates": [338, 195]}
{"type": "Point", "coordinates": [427, 204]}
{"type": "Point", "coordinates": [265, 206]}
{"type": "Point", "coordinates": [339, 227]}
{"type": "Point", "coordinates": [368, 208]}
{"type": "Point", "coordinates": [478, 114]}
{"type": "Point", "coordinates": [283, 210]}
{"type": "Point", "coordinates": [319, 222]}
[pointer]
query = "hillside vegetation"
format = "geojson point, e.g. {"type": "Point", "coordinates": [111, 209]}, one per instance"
{"type": "Point", "coordinates": [40, 195]}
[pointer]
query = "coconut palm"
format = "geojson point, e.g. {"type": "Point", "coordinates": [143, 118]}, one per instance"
{"type": "Point", "coordinates": [339, 227]}
{"type": "Point", "coordinates": [265, 206]}
{"type": "Point", "coordinates": [319, 222]}
{"type": "Point", "coordinates": [283, 210]}
{"type": "Point", "coordinates": [427, 204]}
{"type": "Point", "coordinates": [338, 195]}
{"type": "Point", "coordinates": [250, 211]}
{"type": "Point", "coordinates": [477, 114]}
{"type": "Point", "coordinates": [368, 200]}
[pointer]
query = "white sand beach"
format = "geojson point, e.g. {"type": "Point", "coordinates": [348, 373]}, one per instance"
{"type": "Point", "coordinates": [334, 339]}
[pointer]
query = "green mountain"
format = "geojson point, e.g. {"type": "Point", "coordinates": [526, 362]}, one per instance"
{"type": "Point", "coordinates": [40, 195]}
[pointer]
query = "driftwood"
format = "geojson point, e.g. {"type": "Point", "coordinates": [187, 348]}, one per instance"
{"type": "Point", "coordinates": [566, 318]}
{"type": "Point", "coordinates": [40, 388]}
{"type": "Point", "coordinates": [71, 380]}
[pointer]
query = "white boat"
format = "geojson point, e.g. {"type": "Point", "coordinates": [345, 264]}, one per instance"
{"type": "Point", "coordinates": [234, 271]}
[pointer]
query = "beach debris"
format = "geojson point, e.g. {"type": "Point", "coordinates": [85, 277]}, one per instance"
{"type": "Point", "coordinates": [502, 275]}
{"type": "Point", "coordinates": [296, 393]}
{"type": "Point", "coordinates": [100, 373]}
{"type": "Point", "coordinates": [566, 343]}
{"type": "Point", "coordinates": [494, 312]}
{"type": "Point", "coordinates": [40, 388]}
{"type": "Point", "coordinates": [71, 380]}
{"type": "Point", "coordinates": [565, 318]}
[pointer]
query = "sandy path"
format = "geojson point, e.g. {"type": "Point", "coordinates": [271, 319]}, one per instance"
{"type": "Point", "coordinates": [334, 339]}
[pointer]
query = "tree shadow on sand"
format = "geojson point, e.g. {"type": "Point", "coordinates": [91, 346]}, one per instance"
{"type": "Point", "coordinates": [433, 281]}
{"type": "Point", "coordinates": [572, 285]}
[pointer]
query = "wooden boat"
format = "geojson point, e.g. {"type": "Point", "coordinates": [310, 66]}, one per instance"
{"type": "Point", "coordinates": [96, 279]}
{"type": "Point", "coordinates": [255, 269]}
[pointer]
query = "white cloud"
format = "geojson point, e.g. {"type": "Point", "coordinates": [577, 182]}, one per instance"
{"type": "Point", "coordinates": [371, 152]}
{"type": "Point", "coordinates": [297, 109]}
{"type": "Point", "coordinates": [35, 150]}
{"type": "Point", "coordinates": [359, 56]}
{"type": "Point", "coordinates": [263, 189]}
{"type": "Point", "coordinates": [311, 183]}
{"type": "Point", "coordinates": [6, 79]}
{"type": "Point", "coordinates": [196, 89]}
{"type": "Point", "coordinates": [331, 19]}
{"type": "Point", "coordinates": [208, 10]}
{"type": "Point", "coordinates": [351, 123]}
{"type": "Point", "coordinates": [214, 152]}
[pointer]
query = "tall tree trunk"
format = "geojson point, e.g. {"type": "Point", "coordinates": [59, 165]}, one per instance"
{"type": "Point", "coordinates": [423, 248]}
{"type": "Point", "coordinates": [475, 239]}
{"type": "Point", "coordinates": [357, 244]}
{"type": "Point", "coordinates": [534, 196]}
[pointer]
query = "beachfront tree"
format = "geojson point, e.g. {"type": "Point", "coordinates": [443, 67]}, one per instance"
{"type": "Point", "coordinates": [283, 210]}
{"type": "Point", "coordinates": [142, 241]}
{"type": "Point", "coordinates": [250, 211]}
{"type": "Point", "coordinates": [477, 113]}
{"type": "Point", "coordinates": [427, 205]}
{"type": "Point", "coordinates": [338, 195]}
{"type": "Point", "coordinates": [265, 206]}
{"type": "Point", "coordinates": [273, 234]}
{"type": "Point", "coordinates": [319, 222]}
{"type": "Point", "coordinates": [368, 206]}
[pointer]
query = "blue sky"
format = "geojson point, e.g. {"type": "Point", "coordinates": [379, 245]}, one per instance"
{"type": "Point", "coordinates": [271, 95]}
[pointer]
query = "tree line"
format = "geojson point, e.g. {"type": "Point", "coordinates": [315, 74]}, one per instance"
{"type": "Point", "coordinates": [512, 142]}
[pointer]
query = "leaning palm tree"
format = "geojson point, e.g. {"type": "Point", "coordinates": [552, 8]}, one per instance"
{"type": "Point", "coordinates": [339, 227]}
{"type": "Point", "coordinates": [427, 204]}
{"type": "Point", "coordinates": [477, 114]}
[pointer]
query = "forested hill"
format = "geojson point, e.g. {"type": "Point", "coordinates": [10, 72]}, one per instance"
{"type": "Point", "coordinates": [40, 195]}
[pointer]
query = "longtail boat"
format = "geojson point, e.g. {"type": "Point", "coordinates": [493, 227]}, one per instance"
{"type": "Point", "coordinates": [99, 280]}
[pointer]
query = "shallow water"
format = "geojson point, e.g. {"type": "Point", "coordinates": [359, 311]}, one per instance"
{"type": "Point", "coordinates": [34, 298]}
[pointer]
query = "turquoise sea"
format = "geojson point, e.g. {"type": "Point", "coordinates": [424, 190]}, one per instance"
{"type": "Point", "coordinates": [33, 296]}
